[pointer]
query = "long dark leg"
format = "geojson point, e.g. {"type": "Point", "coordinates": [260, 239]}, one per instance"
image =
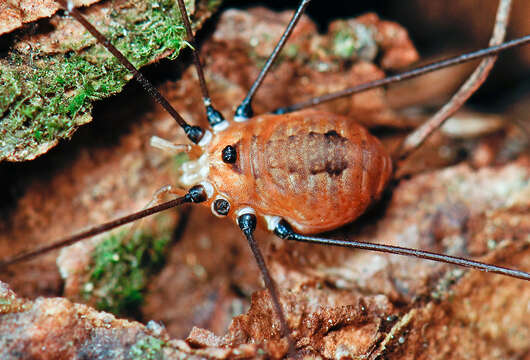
{"type": "Point", "coordinates": [195, 195]}
{"type": "Point", "coordinates": [284, 231]}
{"type": "Point", "coordinates": [194, 133]}
{"type": "Point", "coordinates": [405, 75]}
{"type": "Point", "coordinates": [214, 117]}
{"type": "Point", "coordinates": [244, 111]}
{"type": "Point", "coordinates": [247, 223]}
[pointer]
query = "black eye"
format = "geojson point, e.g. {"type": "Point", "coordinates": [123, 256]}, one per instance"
{"type": "Point", "coordinates": [221, 207]}
{"type": "Point", "coordinates": [229, 154]}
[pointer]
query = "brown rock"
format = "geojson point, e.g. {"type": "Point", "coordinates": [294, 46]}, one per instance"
{"type": "Point", "coordinates": [14, 14]}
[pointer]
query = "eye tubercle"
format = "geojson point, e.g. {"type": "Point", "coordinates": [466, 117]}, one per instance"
{"type": "Point", "coordinates": [229, 154]}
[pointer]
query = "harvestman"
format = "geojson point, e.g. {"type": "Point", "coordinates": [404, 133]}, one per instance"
{"type": "Point", "coordinates": [234, 180]}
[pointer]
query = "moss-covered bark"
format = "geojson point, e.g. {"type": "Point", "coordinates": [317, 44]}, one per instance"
{"type": "Point", "coordinates": [50, 80]}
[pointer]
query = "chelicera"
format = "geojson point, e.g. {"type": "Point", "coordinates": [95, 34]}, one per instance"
{"type": "Point", "coordinates": [297, 174]}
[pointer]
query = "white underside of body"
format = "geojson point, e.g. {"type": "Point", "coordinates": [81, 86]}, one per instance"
{"type": "Point", "coordinates": [271, 221]}
{"type": "Point", "coordinates": [194, 171]}
{"type": "Point", "coordinates": [206, 138]}
{"type": "Point", "coordinates": [223, 125]}
{"type": "Point", "coordinates": [240, 118]}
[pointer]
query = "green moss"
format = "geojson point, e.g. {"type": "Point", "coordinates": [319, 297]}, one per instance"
{"type": "Point", "coordinates": [44, 97]}
{"type": "Point", "coordinates": [122, 265]}
{"type": "Point", "coordinates": [353, 41]}
{"type": "Point", "coordinates": [148, 348]}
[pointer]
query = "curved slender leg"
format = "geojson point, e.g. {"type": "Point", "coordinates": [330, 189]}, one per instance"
{"type": "Point", "coordinates": [284, 231]}
{"type": "Point", "coordinates": [244, 111]}
{"type": "Point", "coordinates": [247, 223]}
{"type": "Point", "coordinates": [215, 118]}
{"type": "Point", "coordinates": [194, 133]}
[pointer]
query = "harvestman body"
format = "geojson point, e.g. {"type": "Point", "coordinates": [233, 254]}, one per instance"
{"type": "Point", "coordinates": [299, 173]}
{"type": "Point", "coordinates": [276, 170]}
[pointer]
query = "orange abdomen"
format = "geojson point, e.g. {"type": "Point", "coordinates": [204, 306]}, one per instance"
{"type": "Point", "coordinates": [316, 170]}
